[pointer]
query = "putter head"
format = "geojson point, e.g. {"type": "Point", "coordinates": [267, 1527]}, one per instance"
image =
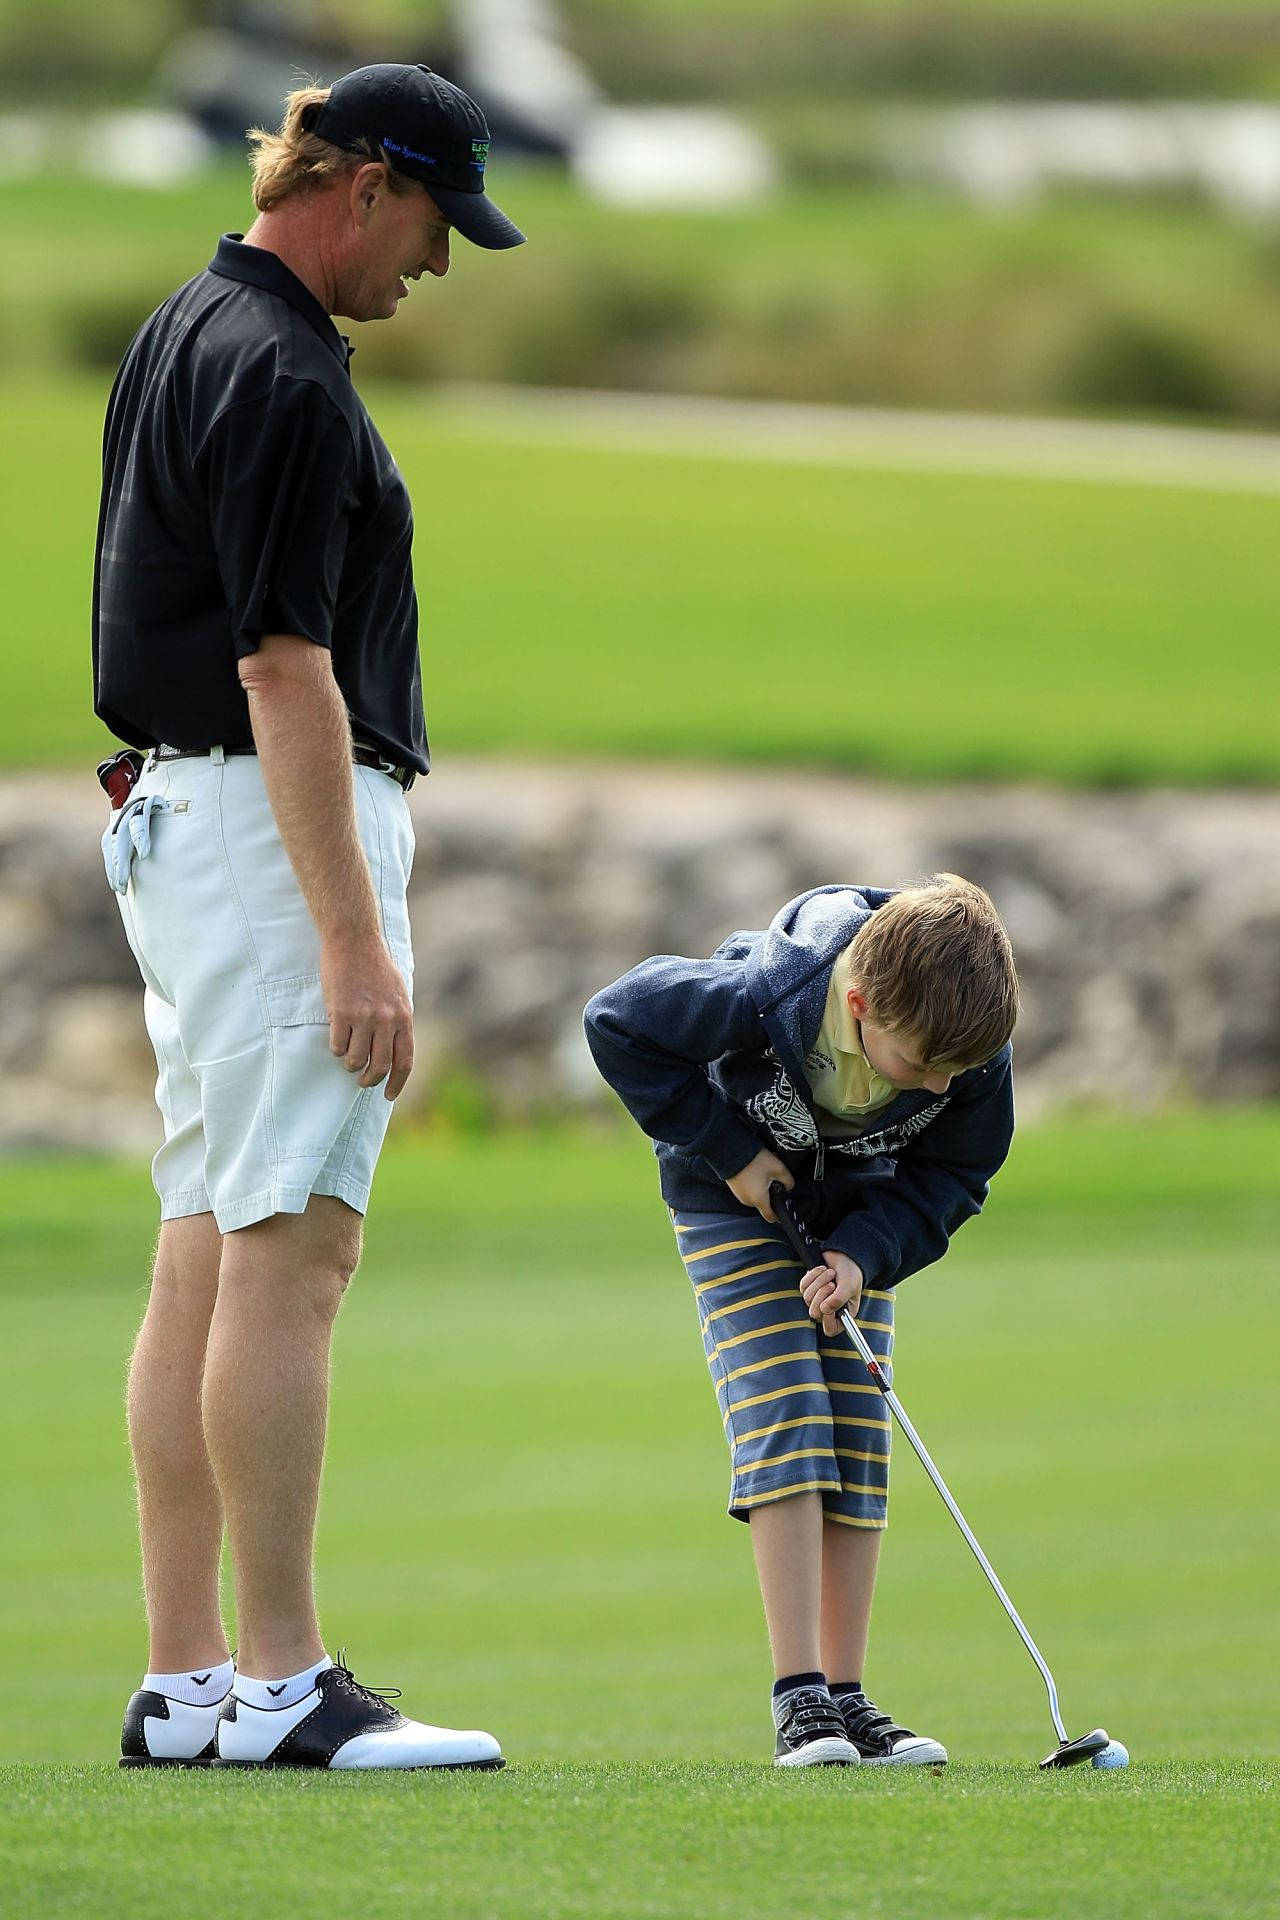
{"type": "Point", "coordinates": [1070, 1753]}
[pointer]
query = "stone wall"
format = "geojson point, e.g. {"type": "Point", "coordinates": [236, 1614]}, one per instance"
{"type": "Point", "coordinates": [1147, 928]}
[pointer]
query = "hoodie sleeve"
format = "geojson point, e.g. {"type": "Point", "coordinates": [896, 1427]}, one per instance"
{"type": "Point", "coordinates": [941, 1180]}
{"type": "Point", "coordinates": [652, 1035]}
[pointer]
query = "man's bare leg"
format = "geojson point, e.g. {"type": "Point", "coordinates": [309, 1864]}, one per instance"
{"type": "Point", "coordinates": [266, 1403]}
{"type": "Point", "coordinates": [850, 1556]}
{"type": "Point", "coordinates": [179, 1512]}
{"type": "Point", "coordinates": [786, 1537]}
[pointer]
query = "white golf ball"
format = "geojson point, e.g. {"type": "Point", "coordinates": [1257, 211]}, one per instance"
{"type": "Point", "coordinates": [1113, 1756]}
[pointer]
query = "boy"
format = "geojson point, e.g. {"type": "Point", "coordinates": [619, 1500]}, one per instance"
{"type": "Point", "coordinates": [858, 1051]}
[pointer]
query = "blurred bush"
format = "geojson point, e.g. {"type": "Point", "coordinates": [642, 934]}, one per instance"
{"type": "Point", "coordinates": [750, 51]}
{"type": "Point", "coordinates": [862, 296]}
{"type": "Point", "coordinates": [758, 50]}
{"type": "Point", "coordinates": [1134, 362]}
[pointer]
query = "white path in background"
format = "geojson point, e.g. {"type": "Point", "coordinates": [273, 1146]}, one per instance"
{"type": "Point", "coordinates": [867, 437]}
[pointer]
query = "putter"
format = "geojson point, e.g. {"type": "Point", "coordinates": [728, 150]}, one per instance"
{"type": "Point", "coordinates": [1067, 1753]}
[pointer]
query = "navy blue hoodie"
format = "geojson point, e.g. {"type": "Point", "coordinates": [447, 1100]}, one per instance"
{"type": "Point", "coordinates": [708, 1056]}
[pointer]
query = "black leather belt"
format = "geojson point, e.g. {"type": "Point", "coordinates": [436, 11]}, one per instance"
{"type": "Point", "coordinates": [362, 752]}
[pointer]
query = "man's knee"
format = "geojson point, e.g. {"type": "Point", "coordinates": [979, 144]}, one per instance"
{"type": "Point", "coordinates": [340, 1233]}
{"type": "Point", "coordinates": [314, 1253]}
{"type": "Point", "coordinates": [187, 1256]}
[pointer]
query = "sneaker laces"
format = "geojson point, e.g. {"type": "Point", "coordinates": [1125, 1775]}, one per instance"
{"type": "Point", "coordinates": [864, 1720]}
{"type": "Point", "coordinates": [347, 1679]}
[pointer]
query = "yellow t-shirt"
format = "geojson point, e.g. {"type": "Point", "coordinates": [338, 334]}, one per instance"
{"type": "Point", "coordinates": [845, 1084]}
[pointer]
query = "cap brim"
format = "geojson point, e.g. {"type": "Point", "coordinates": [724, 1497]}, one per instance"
{"type": "Point", "coordinates": [475, 217]}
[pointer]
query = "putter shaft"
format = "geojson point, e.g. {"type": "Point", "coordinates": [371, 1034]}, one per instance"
{"type": "Point", "coordinates": [808, 1251]}
{"type": "Point", "coordinates": [896, 1408]}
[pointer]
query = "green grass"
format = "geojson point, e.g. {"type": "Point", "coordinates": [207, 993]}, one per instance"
{"type": "Point", "coordinates": [634, 1843]}
{"type": "Point", "coordinates": [523, 1527]}
{"type": "Point", "coordinates": [613, 603]}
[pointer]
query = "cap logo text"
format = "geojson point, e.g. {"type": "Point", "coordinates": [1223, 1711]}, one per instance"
{"type": "Point", "coordinates": [409, 153]}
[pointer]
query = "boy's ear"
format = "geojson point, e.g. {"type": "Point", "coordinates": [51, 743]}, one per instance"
{"type": "Point", "coordinates": [857, 1002]}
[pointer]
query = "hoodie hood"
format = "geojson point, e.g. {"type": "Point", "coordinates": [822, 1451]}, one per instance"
{"type": "Point", "coordinates": [788, 970]}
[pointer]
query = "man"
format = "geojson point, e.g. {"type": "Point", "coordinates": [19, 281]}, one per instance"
{"type": "Point", "coordinates": [255, 631]}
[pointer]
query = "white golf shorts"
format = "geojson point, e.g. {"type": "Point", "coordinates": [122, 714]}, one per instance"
{"type": "Point", "coordinates": [258, 1114]}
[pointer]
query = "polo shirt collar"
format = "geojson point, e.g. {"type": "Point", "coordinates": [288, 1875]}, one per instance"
{"type": "Point", "coordinates": [256, 267]}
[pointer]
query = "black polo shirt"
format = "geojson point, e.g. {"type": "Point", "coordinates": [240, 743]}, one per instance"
{"type": "Point", "coordinates": [246, 491]}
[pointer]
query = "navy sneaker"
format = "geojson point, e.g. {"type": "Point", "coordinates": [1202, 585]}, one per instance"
{"type": "Point", "coordinates": [811, 1732]}
{"type": "Point", "coordinates": [342, 1725]}
{"type": "Point", "coordinates": [880, 1741]}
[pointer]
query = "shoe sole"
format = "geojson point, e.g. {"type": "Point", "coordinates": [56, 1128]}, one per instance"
{"type": "Point", "coordinates": [924, 1753]}
{"type": "Point", "coordinates": [302, 1766]}
{"type": "Point", "coordinates": [820, 1753]}
{"type": "Point", "coordinates": [146, 1760]}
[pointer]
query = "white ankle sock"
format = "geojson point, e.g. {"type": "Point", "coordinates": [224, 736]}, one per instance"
{"type": "Point", "coordinates": [203, 1688]}
{"type": "Point", "coordinates": [279, 1693]}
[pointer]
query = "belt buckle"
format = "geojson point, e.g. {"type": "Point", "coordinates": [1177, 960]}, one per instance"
{"type": "Point", "coordinates": [403, 776]}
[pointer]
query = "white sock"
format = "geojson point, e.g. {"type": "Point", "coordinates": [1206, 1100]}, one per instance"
{"type": "Point", "coordinates": [279, 1693]}
{"type": "Point", "coordinates": [200, 1689]}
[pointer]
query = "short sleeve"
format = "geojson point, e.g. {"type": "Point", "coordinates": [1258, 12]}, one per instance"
{"type": "Point", "coordinates": [280, 473]}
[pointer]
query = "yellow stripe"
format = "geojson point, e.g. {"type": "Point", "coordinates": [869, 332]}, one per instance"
{"type": "Point", "coordinates": [786, 1493]}
{"type": "Point", "coordinates": [756, 1300]}
{"type": "Point", "coordinates": [849, 1453]}
{"type": "Point", "coordinates": [756, 1333]}
{"type": "Point", "coordinates": [745, 1273]}
{"type": "Point", "coordinates": [781, 1426]}
{"type": "Point", "coordinates": [854, 1520]}
{"type": "Point", "coordinates": [851, 1486]}
{"type": "Point", "coordinates": [780, 1459]}
{"type": "Point", "coordinates": [855, 1420]}
{"type": "Point", "coordinates": [758, 1400]}
{"type": "Point", "coordinates": [847, 1353]}
{"type": "Point", "coordinates": [870, 1293]}
{"type": "Point", "coordinates": [782, 1360]}
{"type": "Point", "coordinates": [726, 1246]}
{"type": "Point", "coordinates": [839, 1386]}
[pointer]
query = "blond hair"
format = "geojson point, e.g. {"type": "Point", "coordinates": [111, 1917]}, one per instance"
{"type": "Point", "coordinates": [935, 965]}
{"type": "Point", "coordinates": [295, 160]}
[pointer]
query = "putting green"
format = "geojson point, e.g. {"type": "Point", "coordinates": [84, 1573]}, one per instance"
{"type": "Point", "coordinates": [523, 1527]}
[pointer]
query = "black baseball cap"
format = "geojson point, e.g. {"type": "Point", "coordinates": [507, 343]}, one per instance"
{"type": "Point", "coordinates": [428, 129]}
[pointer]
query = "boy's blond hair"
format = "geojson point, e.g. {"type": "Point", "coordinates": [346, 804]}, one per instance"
{"type": "Point", "coordinates": [935, 965]}
{"type": "Point", "coordinates": [296, 160]}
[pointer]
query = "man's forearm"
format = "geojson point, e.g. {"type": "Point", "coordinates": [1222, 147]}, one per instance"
{"type": "Point", "coordinates": [303, 737]}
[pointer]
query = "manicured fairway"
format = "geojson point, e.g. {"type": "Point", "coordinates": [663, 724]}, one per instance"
{"type": "Point", "coordinates": [651, 1842]}
{"type": "Point", "coordinates": [604, 602]}
{"type": "Point", "coordinates": [523, 1528]}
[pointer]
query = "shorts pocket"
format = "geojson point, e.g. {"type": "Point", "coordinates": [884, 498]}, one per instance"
{"type": "Point", "coordinates": [297, 1001]}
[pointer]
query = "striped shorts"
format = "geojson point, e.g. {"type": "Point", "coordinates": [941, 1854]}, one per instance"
{"type": "Point", "coordinates": [800, 1412]}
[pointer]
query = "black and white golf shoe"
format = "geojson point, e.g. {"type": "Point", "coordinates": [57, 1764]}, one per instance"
{"type": "Point", "coordinates": [879, 1741]}
{"type": "Point", "coordinates": [342, 1725]}
{"type": "Point", "coordinates": [159, 1732]}
{"type": "Point", "coordinates": [811, 1732]}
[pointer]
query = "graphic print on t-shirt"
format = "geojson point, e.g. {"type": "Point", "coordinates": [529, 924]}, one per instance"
{"type": "Point", "coordinates": [785, 1117]}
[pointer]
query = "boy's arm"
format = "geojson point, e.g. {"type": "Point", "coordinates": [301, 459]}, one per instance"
{"type": "Point", "coordinates": [653, 1033]}
{"type": "Point", "coordinates": [942, 1180]}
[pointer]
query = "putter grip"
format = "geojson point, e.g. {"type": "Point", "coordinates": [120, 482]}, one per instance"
{"type": "Point", "coordinates": [808, 1250]}
{"type": "Point", "coordinates": [793, 1226]}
